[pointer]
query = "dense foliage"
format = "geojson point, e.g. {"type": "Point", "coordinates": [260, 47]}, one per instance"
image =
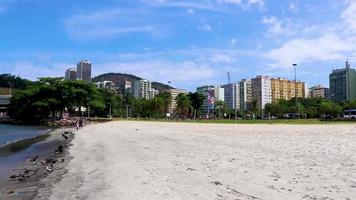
{"type": "Point", "coordinates": [51, 97]}
{"type": "Point", "coordinates": [309, 107]}
{"type": "Point", "coordinates": [16, 82]}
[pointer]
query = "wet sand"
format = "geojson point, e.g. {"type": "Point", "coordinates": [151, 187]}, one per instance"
{"type": "Point", "coordinates": [27, 187]}
{"type": "Point", "coordinates": [148, 160]}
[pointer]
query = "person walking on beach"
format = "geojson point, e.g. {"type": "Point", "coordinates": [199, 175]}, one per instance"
{"type": "Point", "coordinates": [81, 123]}
{"type": "Point", "coordinates": [77, 124]}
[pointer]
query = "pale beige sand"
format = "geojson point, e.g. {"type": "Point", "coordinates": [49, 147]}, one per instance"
{"type": "Point", "coordinates": [153, 161]}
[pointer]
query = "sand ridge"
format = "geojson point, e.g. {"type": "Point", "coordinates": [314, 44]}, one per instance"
{"type": "Point", "coordinates": [145, 160]}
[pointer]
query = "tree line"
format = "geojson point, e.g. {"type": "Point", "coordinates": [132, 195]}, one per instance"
{"type": "Point", "coordinates": [50, 98]}
{"type": "Point", "coordinates": [309, 107]}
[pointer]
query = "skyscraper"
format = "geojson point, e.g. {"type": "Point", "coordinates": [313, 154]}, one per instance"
{"type": "Point", "coordinates": [211, 95]}
{"type": "Point", "coordinates": [286, 89]}
{"type": "Point", "coordinates": [232, 95]}
{"type": "Point", "coordinates": [261, 91]}
{"type": "Point", "coordinates": [343, 84]}
{"type": "Point", "coordinates": [71, 74]}
{"type": "Point", "coordinates": [245, 87]}
{"type": "Point", "coordinates": [84, 70]}
{"type": "Point", "coordinates": [142, 89]}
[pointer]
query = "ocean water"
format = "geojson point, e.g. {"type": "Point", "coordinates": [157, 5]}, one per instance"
{"type": "Point", "coordinates": [11, 133]}
{"type": "Point", "coordinates": [18, 143]}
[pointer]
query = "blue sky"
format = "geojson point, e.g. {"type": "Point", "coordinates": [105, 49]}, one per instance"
{"type": "Point", "coordinates": [189, 43]}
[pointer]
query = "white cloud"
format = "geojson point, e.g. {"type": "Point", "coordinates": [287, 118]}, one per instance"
{"type": "Point", "coordinates": [29, 70]}
{"type": "Point", "coordinates": [205, 27]}
{"type": "Point", "coordinates": [349, 16]}
{"type": "Point", "coordinates": [109, 23]}
{"type": "Point", "coordinates": [230, 1]}
{"type": "Point", "coordinates": [162, 71]}
{"type": "Point", "coordinates": [293, 7]}
{"type": "Point", "coordinates": [259, 3]}
{"type": "Point", "coordinates": [221, 58]}
{"type": "Point", "coordinates": [276, 26]}
{"type": "Point", "coordinates": [328, 47]}
{"type": "Point", "coordinates": [232, 42]}
{"type": "Point", "coordinates": [214, 5]}
{"type": "Point", "coordinates": [191, 11]}
{"type": "Point", "coordinates": [201, 5]}
{"type": "Point", "coordinates": [322, 42]}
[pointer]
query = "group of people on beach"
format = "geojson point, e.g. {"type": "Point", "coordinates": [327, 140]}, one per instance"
{"type": "Point", "coordinates": [79, 123]}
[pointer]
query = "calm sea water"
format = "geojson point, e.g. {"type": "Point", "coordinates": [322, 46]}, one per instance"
{"type": "Point", "coordinates": [13, 157]}
{"type": "Point", "coordinates": [10, 133]}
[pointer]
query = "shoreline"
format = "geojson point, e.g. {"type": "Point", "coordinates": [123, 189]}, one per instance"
{"type": "Point", "coordinates": [35, 175]}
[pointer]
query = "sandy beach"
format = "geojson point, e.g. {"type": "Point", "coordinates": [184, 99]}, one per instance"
{"type": "Point", "coordinates": [152, 160]}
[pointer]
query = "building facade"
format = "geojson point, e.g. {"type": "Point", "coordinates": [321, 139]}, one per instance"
{"type": "Point", "coordinates": [174, 94]}
{"type": "Point", "coordinates": [84, 70]}
{"type": "Point", "coordinates": [142, 89]}
{"type": "Point", "coordinates": [343, 84]}
{"type": "Point", "coordinates": [284, 89]}
{"type": "Point", "coordinates": [245, 96]}
{"type": "Point", "coordinates": [71, 74]}
{"type": "Point", "coordinates": [107, 84]}
{"type": "Point", "coordinates": [261, 91]}
{"type": "Point", "coordinates": [211, 94]}
{"type": "Point", "coordinates": [319, 91]}
{"type": "Point", "coordinates": [232, 95]}
{"type": "Point", "coordinates": [4, 102]}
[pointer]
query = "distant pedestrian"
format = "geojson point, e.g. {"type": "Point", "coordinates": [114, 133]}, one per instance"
{"type": "Point", "coordinates": [77, 124]}
{"type": "Point", "coordinates": [81, 123]}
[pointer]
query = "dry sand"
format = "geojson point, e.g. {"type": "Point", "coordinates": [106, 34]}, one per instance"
{"type": "Point", "coordinates": [153, 161]}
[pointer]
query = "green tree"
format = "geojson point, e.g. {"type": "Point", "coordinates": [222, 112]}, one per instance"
{"type": "Point", "coordinates": [184, 105]}
{"type": "Point", "coordinates": [197, 101]}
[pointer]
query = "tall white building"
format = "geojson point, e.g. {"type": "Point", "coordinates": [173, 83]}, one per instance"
{"type": "Point", "coordinates": [262, 91]}
{"type": "Point", "coordinates": [245, 94]}
{"type": "Point", "coordinates": [174, 94]}
{"type": "Point", "coordinates": [232, 95]}
{"type": "Point", "coordinates": [211, 95]}
{"type": "Point", "coordinates": [142, 89]}
{"type": "Point", "coordinates": [71, 74]}
{"type": "Point", "coordinates": [84, 70]}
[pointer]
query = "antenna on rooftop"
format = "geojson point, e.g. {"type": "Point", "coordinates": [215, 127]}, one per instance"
{"type": "Point", "coordinates": [228, 77]}
{"type": "Point", "coordinates": [347, 64]}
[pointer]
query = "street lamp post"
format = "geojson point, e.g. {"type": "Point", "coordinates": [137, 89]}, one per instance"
{"type": "Point", "coordinates": [110, 116]}
{"type": "Point", "coordinates": [10, 88]}
{"type": "Point", "coordinates": [127, 111]}
{"type": "Point", "coordinates": [295, 88]}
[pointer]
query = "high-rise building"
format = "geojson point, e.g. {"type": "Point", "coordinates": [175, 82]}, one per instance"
{"type": "Point", "coordinates": [343, 84]}
{"type": "Point", "coordinates": [219, 93]}
{"type": "Point", "coordinates": [319, 92]}
{"type": "Point", "coordinates": [174, 93]}
{"type": "Point", "coordinates": [284, 89]}
{"type": "Point", "coordinates": [127, 87]}
{"type": "Point", "coordinates": [142, 89]}
{"type": "Point", "coordinates": [84, 70]}
{"type": "Point", "coordinates": [153, 93]}
{"type": "Point", "coordinates": [261, 91]}
{"type": "Point", "coordinates": [211, 94]}
{"type": "Point", "coordinates": [232, 95]}
{"type": "Point", "coordinates": [71, 74]}
{"type": "Point", "coordinates": [245, 87]}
